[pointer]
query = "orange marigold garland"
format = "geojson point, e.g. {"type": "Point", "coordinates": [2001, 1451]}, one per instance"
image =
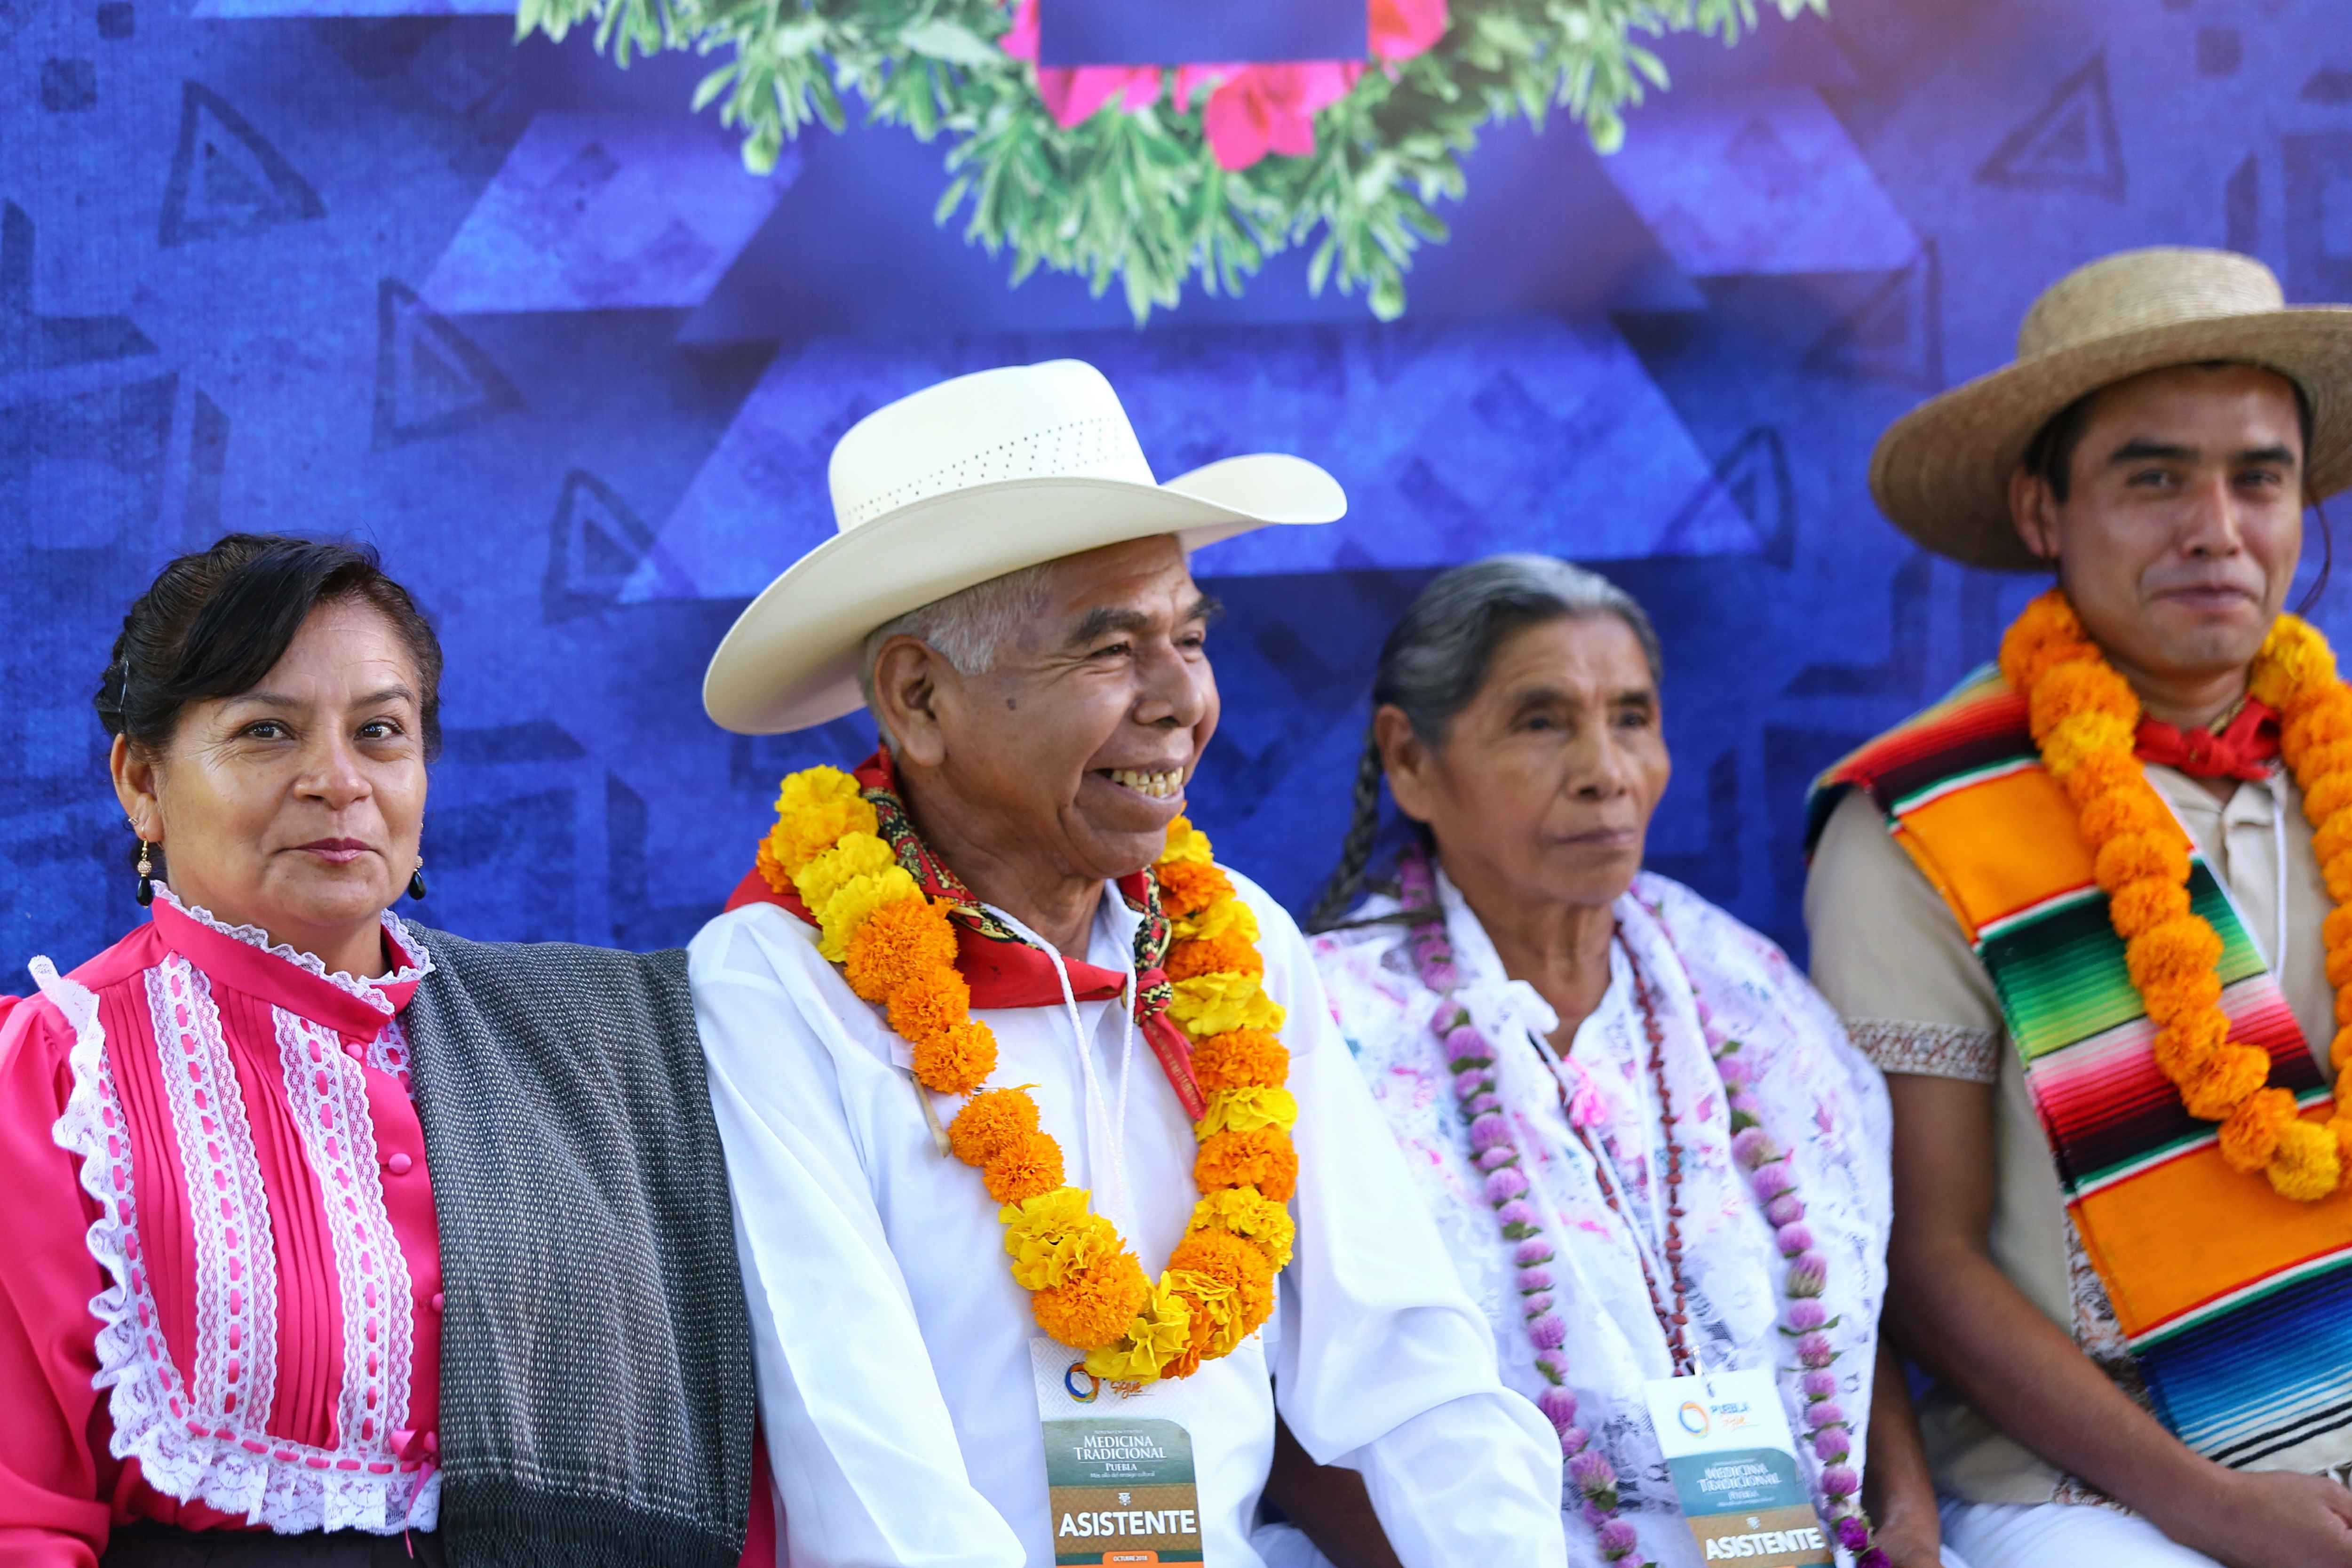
{"type": "Point", "coordinates": [897, 949]}
{"type": "Point", "coordinates": [2084, 717]}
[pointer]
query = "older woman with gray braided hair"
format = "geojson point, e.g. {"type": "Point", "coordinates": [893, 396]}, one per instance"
{"type": "Point", "coordinates": [1658, 1162]}
{"type": "Point", "coordinates": [335, 1240]}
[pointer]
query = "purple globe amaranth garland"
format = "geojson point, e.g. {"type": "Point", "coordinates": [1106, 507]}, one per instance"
{"type": "Point", "coordinates": [1495, 1152]}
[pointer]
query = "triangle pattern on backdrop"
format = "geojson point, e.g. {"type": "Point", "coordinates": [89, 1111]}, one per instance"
{"type": "Point", "coordinates": [226, 179]}
{"type": "Point", "coordinates": [430, 378]}
{"type": "Point", "coordinates": [1896, 335]}
{"type": "Point", "coordinates": [2069, 143]}
{"type": "Point", "coordinates": [597, 542]}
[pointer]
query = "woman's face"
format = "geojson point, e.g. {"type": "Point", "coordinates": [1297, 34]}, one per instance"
{"type": "Point", "coordinates": [295, 806]}
{"type": "Point", "coordinates": [1545, 784]}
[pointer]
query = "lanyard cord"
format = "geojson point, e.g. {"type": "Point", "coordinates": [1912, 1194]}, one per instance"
{"type": "Point", "coordinates": [1087, 1075]}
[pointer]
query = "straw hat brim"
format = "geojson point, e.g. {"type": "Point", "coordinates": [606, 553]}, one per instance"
{"type": "Point", "coordinates": [1941, 472]}
{"type": "Point", "coordinates": [791, 659]}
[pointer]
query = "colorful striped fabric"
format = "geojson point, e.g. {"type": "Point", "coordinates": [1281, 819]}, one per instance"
{"type": "Point", "coordinates": [2237, 1303]}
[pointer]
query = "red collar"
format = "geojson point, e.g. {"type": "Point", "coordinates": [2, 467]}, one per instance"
{"type": "Point", "coordinates": [2245, 748]}
{"type": "Point", "coordinates": [356, 1012]}
{"type": "Point", "coordinates": [1003, 970]}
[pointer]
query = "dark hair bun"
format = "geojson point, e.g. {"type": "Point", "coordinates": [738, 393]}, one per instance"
{"type": "Point", "coordinates": [214, 624]}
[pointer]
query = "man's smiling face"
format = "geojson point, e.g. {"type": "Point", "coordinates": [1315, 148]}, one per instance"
{"type": "Point", "coordinates": [2182, 523]}
{"type": "Point", "coordinates": [1077, 743]}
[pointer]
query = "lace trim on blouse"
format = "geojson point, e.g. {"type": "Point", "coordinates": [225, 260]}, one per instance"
{"type": "Point", "coordinates": [1931, 1050]}
{"type": "Point", "coordinates": [368, 989]}
{"type": "Point", "coordinates": [208, 1443]}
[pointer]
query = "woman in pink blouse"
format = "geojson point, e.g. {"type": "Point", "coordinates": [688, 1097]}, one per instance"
{"type": "Point", "coordinates": [325, 1225]}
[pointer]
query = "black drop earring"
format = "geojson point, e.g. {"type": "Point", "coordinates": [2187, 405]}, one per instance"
{"type": "Point", "coordinates": [417, 879]}
{"type": "Point", "coordinates": [146, 874]}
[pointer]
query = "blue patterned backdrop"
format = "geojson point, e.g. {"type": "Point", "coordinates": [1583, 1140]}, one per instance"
{"type": "Point", "coordinates": [525, 322]}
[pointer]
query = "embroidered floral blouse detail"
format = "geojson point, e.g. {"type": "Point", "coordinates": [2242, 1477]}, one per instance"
{"type": "Point", "coordinates": [1809, 1079]}
{"type": "Point", "coordinates": [240, 1121]}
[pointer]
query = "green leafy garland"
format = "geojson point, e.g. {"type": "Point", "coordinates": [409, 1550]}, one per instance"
{"type": "Point", "coordinates": [1137, 195]}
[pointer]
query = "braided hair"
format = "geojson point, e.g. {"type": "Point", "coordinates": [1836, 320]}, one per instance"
{"type": "Point", "coordinates": [1435, 662]}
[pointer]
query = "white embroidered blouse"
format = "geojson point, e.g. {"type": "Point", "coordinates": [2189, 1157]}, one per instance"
{"type": "Point", "coordinates": [1821, 1100]}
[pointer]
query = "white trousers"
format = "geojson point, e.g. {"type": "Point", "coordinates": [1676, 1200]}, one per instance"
{"type": "Point", "coordinates": [2059, 1535]}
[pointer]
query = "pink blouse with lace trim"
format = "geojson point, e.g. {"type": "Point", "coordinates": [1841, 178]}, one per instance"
{"type": "Point", "coordinates": [220, 1307]}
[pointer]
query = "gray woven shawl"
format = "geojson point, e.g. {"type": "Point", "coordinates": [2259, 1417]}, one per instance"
{"type": "Point", "coordinates": [596, 1394]}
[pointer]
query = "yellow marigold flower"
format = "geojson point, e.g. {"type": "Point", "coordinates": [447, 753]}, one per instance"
{"type": "Point", "coordinates": [2137, 857]}
{"type": "Point", "coordinates": [1240, 1058]}
{"type": "Point", "coordinates": [1227, 954]}
{"type": "Point", "coordinates": [1093, 1307]}
{"type": "Point", "coordinates": [2046, 634]}
{"type": "Point", "coordinates": [2309, 1164]}
{"type": "Point", "coordinates": [858, 898]}
{"type": "Point", "coordinates": [1239, 1266]}
{"type": "Point", "coordinates": [1250, 1214]}
{"type": "Point", "coordinates": [2083, 736]}
{"type": "Point", "coordinates": [2312, 734]}
{"type": "Point", "coordinates": [901, 943]}
{"type": "Point", "coordinates": [2295, 660]}
{"type": "Point", "coordinates": [1246, 1109]}
{"type": "Point", "coordinates": [2250, 1134]}
{"type": "Point", "coordinates": [2171, 1003]}
{"type": "Point", "coordinates": [956, 1059]}
{"type": "Point", "coordinates": [2186, 1047]}
{"type": "Point", "coordinates": [1187, 844]}
{"type": "Point", "coordinates": [2076, 688]}
{"type": "Point", "coordinates": [2104, 774]}
{"type": "Point", "coordinates": [2329, 794]}
{"type": "Point", "coordinates": [1234, 917]}
{"type": "Point", "coordinates": [1263, 1159]}
{"type": "Point", "coordinates": [929, 1005]}
{"type": "Point", "coordinates": [1029, 1165]}
{"type": "Point", "coordinates": [2122, 811]}
{"type": "Point", "coordinates": [1213, 1004]}
{"type": "Point", "coordinates": [2143, 905]}
{"type": "Point", "coordinates": [814, 809]}
{"type": "Point", "coordinates": [1157, 1337]}
{"type": "Point", "coordinates": [989, 1124]}
{"type": "Point", "coordinates": [2330, 757]}
{"type": "Point", "coordinates": [1045, 1219]}
{"type": "Point", "coordinates": [2235, 1072]}
{"type": "Point", "coordinates": [857, 855]}
{"type": "Point", "coordinates": [2172, 951]}
{"type": "Point", "coordinates": [1187, 887]}
{"type": "Point", "coordinates": [1040, 1265]}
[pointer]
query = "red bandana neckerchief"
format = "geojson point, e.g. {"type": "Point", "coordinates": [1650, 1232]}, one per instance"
{"type": "Point", "coordinates": [1003, 969]}
{"type": "Point", "coordinates": [2245, 748]}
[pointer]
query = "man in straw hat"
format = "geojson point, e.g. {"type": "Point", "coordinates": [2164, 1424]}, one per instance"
{"type": "Point", "coordinates": [1023, 1292]}
{"type": "Point", "coordinates": [2086, 914]}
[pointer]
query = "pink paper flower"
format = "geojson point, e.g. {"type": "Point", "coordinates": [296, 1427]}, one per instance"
{"type": "Point", "coordinates": [1404, 28]}
{"type": "Point", "coordinates": [1261, 108]}
{"type": "Point", "coordinates": [1073, 94]}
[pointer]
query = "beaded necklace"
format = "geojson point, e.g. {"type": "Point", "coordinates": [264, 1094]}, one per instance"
{"type": "Point", "coordinates": [1495, 1151]}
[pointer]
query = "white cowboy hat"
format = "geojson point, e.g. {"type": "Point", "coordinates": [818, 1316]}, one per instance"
{"type": "Point", "coordinates": [961, 483]}
{"type": "Point", "coordinates": [1941, 472]}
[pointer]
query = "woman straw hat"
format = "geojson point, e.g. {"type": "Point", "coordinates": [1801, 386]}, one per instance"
{"type": "Point", "coordinates": [961, 483]}
{"type": "Point", "coordinates": [1941, 472]}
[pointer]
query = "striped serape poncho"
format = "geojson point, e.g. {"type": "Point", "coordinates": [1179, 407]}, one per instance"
{"type": "Point", "coordinates": [2236, 1302]}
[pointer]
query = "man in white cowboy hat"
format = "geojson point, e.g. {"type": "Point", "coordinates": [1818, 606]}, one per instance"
{"type": "Point", "coordinates": [2079, 914]}
{"type": "Point", "coordinates": [983, 1366]}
